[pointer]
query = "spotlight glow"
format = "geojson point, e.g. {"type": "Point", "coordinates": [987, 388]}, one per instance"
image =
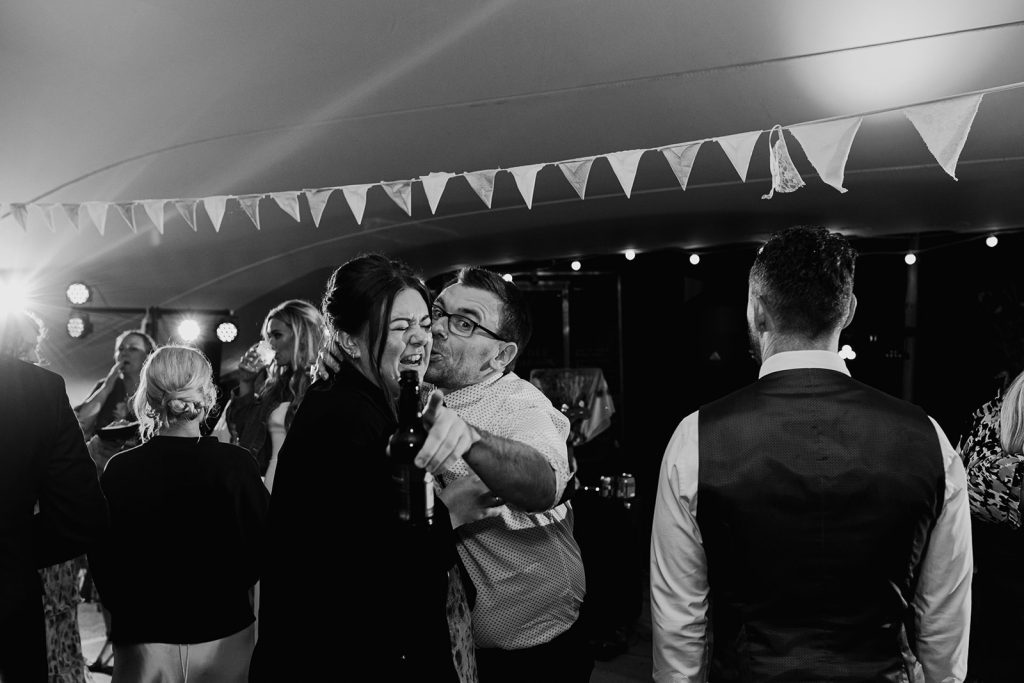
{"type": "Point", "coordinates": [78, 293]}
{"type": "Point", "coordinates": [78, 325]}
{"type": "Point", "coordinates": [910, 259]}
{"type": "Point", "coordinates": [991, 241]}
{"type": "Point", "coordinates": [14, 296]}
{"type": "Point", "coordinates": [507, 277]}
{"type": "Point", "coordinates": [188, 330]}
{"type": "Point", "coordinates": [227, 331]}
{"type": "Point", "coordinates": [575, 265]}
{"type": "Point", "coordinates": [630, 254]}
{"type": "Point", "coordinates": [694, 259]}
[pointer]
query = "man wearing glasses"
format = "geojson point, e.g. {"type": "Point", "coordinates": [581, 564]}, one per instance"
{"type": "Point", "coordinates": [488, 424]}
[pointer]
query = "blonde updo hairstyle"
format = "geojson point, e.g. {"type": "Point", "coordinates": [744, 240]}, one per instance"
{"type": "Point", "coordinates": [176, 383]}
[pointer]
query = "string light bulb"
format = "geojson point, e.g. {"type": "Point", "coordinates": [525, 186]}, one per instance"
{"type": "Point", "coordinates": [910, 259]}
{"type": "Point", "coordinates": [991, 241]}
{"type": "Point", "coordinates": [630, 254]}
{"type": "Point", "coordinates": [575, 265]}
{"type": "Point", "coordinates": [694, 259]}
{"type": "Point", "coordinates": [507, 277]}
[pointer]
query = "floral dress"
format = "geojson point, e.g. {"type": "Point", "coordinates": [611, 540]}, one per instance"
{"type": "Point", "coordinates": [64, 660]}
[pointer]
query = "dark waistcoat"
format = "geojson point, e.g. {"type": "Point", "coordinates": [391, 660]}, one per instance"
{"type": "Point", "coordinates": [816, 498]}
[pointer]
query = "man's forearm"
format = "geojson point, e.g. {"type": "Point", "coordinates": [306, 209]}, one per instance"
{"type": "Point", "coordinates": [517, 473]}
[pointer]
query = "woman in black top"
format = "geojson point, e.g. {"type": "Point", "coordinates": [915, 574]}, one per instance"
{"type": "Point", "coordinates": [188, 516]}
{"type": "Point", "coordinates": [346, 586]}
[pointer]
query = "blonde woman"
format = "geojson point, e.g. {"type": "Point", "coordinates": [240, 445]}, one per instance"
{"type": "Point", "coordinates": [268, 394]}
{"type": "Point", "coordinates": [187, 516]}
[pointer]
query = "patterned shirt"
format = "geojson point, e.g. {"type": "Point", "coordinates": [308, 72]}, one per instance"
{"type": "Point", "coordinates": [526, 567]}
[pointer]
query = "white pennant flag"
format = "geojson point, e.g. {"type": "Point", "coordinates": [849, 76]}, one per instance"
{"type": "Point", "coordinates": [71, 212]}
{"type": "Point", "coordinates": [785, 177]}
{"type": "Point", "coordinates": [482, 183]}
{"type": "Point", "coordinates": [577, 173]}
{"type": "Point", "coordinates": [526, 180]}
{"type": "Point", "coordinates": [187, 209]}
{"type": "Point", "coordinates": [433, 186]}
{"type": "Point", "coordinates": [50, 216]}
{"type": "Point", "coordinates": [155, 210]}
{"type": "Point", "coordinates": [400, 192]}
{"type": "Point", "coordinates": [317, 200]}
{"type": "Point", "coordinates": [20, 213]}
{"type": "Point", "coordinates": [127, 213]}
{"type": "Point", "coordinates": [827, 146]}
{"type": "Point", "coordinates": [624, 164]}
{"type": "Point", "coordinates": [289, 202]}
{"type": "Point", "coordinates": [98, 213]}
{"type": "Point", "coordinates": [944, 127]}
{"type": "Point", "coordinates": [251, 205]}
{"type": "Point", "coordinates": [355, 195]}
{"type": "Point", "coordinates": [738, 148]}
{"type": "Point", "coordinates": [680, 158]}
{"type": "Point", "coordinates": [215, 207]}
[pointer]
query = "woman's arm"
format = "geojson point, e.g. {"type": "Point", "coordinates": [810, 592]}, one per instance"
{"type": "Point", "coordinates": [89, 409]}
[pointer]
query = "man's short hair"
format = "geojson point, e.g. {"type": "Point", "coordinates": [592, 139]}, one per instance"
{"type": "Point", "coordinates": [804, 274]}
{"type": "Point", "coordinates": [516, 322]}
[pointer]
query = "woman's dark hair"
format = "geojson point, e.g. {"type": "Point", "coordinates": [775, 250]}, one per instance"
{"type": "Point", "coordinates": [360, 294]}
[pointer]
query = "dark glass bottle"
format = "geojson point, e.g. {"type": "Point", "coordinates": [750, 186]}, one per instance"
{"type": "Point", "coordinates": [413, 486]}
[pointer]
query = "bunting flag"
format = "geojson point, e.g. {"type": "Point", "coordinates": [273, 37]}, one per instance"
{"type": "Point", "coordinates": [577, 172]}
{"type": "Point", "coordinates": [215, 207]}
{"type": "Point", "coordinates": [785, 177]}
{"type": "Point", "coordinates": [433, 186]}
{"type": "Point", "coordinates": [71, 213]}
{"type": "Point", "coordinates": [155, 210]}
{"type": "Point", "coordinates": [738, 148]}
{"type": "Point", "coordinates": [482, 183]}
{"type": "Point", "coordinates": [187, 209]}
{"type": "Point", "coordinates": [251, 205]}
{"type": "Point", "coordinates": [526, 180]}
{"type": "Point", "coordinates": [50, 216]}
{"type": "Point", "coordinates": [126, 209]}
{"type": "Point", "coordinates": [317, 200]}
{"type": "Point", "coordinates": [20, 213]}
{"type": "Point", "coordinates": [289, 202]}
{"type": "Point", "coordinates": [944, 127]}
{"type": "Point", "coordinates": [680, 158]}
{"type": "Point", "coordinates": [400, 192]}
{"type": "Point", "coordinates": [355, 195]}
{"type": "Point", "coordinates": [98, 214]}
{"type": "Point", "coordinates": [624, 165]}
{"type": "Point", "coordinates": [827, 146]}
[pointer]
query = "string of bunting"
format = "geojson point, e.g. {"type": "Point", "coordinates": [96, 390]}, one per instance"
{"type": "Point", "coordinates": [943, 125]}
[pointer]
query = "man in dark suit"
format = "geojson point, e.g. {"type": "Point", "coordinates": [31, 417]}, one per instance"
{"type": "Point", "coordinates": [808, 527]}
{"type": "Point", "coordinates": [43, 459]}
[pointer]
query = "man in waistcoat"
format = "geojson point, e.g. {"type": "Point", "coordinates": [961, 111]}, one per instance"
{"type": "Point", "coordinates": [809, 527]}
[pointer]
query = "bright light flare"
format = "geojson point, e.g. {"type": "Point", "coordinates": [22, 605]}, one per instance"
{"type": "Point", "coordinates": [78, 293]}
{"type": "Point", "coordinates": [188, 330]}
{"type": "Point", "coordinates": [14, 296]}
{"type": "Point", "coordinates": [227, 331]}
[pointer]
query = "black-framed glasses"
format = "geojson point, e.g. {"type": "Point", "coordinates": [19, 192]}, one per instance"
{"type": "Point", "coordinates": [460, 325]}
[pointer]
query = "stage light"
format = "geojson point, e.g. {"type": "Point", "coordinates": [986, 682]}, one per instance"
{"type": "Point", "coordinates": [575, 265]}
{"type": "Point", "coordinates": [188, 330]}
{"type": "Point", "coordinates": [227, 331]}
{"type": "Point", "coordinates": [507, 277]}
{"type": "Point", "coordinates": [991, 241]}
{"type": "Point", "coordinates": [78, 325]}
{"type": "Point", "coordinates": [694, 259]}
{"type": "Point", "coordinates": [78, 293]}
{"type": "Point", "coordinates": [630, 254]}
{"type": "Point", "coordinates": [910, 259]}
{"type": "Point", "coordinates": [847, 352]}
{"type": "Point", "coordinates": [14, 296]}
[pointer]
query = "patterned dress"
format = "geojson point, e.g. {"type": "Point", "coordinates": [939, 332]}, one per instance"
{"type": "Point", "coordinates": [65, 663]}
{"type": "Point", "coordinates": [993, 476]}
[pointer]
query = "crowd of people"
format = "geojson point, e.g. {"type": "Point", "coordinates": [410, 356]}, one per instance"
{"type": "Point", "coordinates": [806, 527]}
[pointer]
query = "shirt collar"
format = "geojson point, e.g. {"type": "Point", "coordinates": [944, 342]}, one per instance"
{"type": "Point", "coordinates": [796, 360]}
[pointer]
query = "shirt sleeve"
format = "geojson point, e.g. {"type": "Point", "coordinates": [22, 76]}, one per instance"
{"type": "Point", "coordinates": [545, 430]}
{"type": "Point", "coordinates": [679, 581]}
{"type": "Point", "coordinates": [942, 605]}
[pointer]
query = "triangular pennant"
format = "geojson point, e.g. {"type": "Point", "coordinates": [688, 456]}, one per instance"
{"type": "Point", "coordinates": [126, 209]}
{"type": "Point", "coordinates": [482, 183]}
{"type": "Point", "coordinates": [526, 180]}
{"type": "Point", "coordinates": [50, 216]}
{"type": "Point", "coordinates": [577, 172]}
{"type": "Point", "coordinates": [251, 205]}
{"type": "Point", "coordinates": [187, 209]}
{"type": "Point", "coordinates": [215, 209]}
{"type": "Point", "coordinates": [289, 202]}
{"type": "Point", "coordinates": [20, 213]}
{"type": "Point", "coordinates": [355, 195]}
{"type": "Point", "coordinates": [71, 211]}
{"type": "Point", "coordinates": [155, 210]}
{"type": "Point", "coordinates": [680, 158]}
{"type": "Point", "coordinates": [624, 164]}
{"type": "Point", "coordinates": [785, 177]}
{"type": "Point", "coordinates": [433, 186]}
{"type": "Point", "coordinates": [98, 214]}
{"type": "Point", "coordinates": [738, 148]}
{"type": "Point", "coordinates": [317, 200]}
{"type": "Point", "coordinates": [400, 192]}
{"type": "Point", "coordinates": [827, 146]}
{"type": "Point", "coordinates": [944, 127]}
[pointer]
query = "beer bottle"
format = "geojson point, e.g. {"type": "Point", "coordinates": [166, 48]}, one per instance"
{"type": "Point", "coordinates": [413, 486]}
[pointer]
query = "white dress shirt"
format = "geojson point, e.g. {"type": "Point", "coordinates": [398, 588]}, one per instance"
{"type": "Point", "coordinates": [679, 581]}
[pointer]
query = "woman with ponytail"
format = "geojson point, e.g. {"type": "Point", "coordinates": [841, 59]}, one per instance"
{"type": "Point", "coordinates": [187, 516]}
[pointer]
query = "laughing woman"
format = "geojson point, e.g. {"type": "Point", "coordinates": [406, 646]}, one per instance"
{"type": "Point", "coordinates": [388, 611]}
